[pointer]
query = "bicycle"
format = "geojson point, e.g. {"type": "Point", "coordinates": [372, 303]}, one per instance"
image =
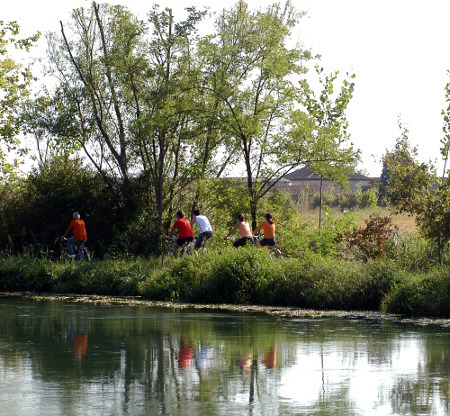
{"type": "Point", "coordinates": [205, 241]}
{"type": "Point", "coordinates": [82, 253]}
{"type": "Point", "coordinates": [274, 251]}
{"type": "Point", "coordinates": [186, 248]}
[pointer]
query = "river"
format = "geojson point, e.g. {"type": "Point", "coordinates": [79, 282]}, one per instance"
{"type": "Point", "coordinates": [73, 358]}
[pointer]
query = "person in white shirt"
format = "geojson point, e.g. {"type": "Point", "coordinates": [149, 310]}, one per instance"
{"type": "Point", "coordinates": [204, 226]}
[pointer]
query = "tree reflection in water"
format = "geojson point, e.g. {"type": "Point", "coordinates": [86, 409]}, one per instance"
{"type": "Point", "coordinates": [143, 360]}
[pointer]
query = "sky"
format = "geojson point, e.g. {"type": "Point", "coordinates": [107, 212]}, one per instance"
{"type": "Point", "coordinates": [396, 48]}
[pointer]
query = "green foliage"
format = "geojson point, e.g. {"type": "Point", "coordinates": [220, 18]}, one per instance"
{"type": "Point", "coordinates": [222, 201]}
{"type": "Point", "coordinates": [280, 204]}
{"type": "Point", "coordinates": [331, 154]}
{"type": "Point", "coordinates": [433, 215]}
{"type": "Point", "coordinates": [247, 69]}
{"type": "Point", "coordinates": [243, 276]}
{"type": "Point", "coordinates": [407, 178]}
{"type": "Point", "coordinates": [412, 252]}
{"type": "Point", "coordinates": [250, 276]}
{"type": "Point", "coordinates": [14, 88]}
{"type": "Point", "coordinates": [343, 198]}
{"type": "Point", "coordinates": [299, 238]}
{"type": "Point", "coordinates": [418, 295]}
{"type": "Point", "coordinates": [41, 206]}
{"type": "Point", "coordinates": [409, 190]}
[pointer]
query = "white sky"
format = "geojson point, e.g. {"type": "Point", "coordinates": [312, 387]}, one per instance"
{"type": "Point", "coordinates": [396, 48]}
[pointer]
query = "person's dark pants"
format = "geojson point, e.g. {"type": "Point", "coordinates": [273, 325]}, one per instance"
{"type": "Point", "coordinates": [242, 241]}
{"type": "Point", "coordinates": [205, 235]}
{"type": "Point", "coordinates": [182, 241]}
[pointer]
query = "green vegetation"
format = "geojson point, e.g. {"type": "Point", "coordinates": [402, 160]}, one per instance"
{"type": "Point", "coordinates": [146, 117]}
{"type": "Point", "coordinates": [321, 271]}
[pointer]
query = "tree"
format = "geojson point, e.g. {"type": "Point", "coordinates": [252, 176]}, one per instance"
{"type": "Point", "coordinates": [14, 87]}
{"type": "Point", "coordinates": [123, 98]}
{"type": "Point", "coordinates": [407, 179]}
{"type": "Point", "coordinates": [433, 214]}
{"type": "Point", "coordinates": [414, 188]}
{"type": "Point", "coordinates": [249, 72]}
{"type": "Point", "coordinates": [164, 128]}
{"type": "Point", "coordinates": [332, 154]}
{"type": "Point", "coordinates": [446, 130]}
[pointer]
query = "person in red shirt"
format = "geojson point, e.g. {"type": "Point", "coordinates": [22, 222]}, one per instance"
{"type": "Point", "coordinates": [78, 229]}
{"type": "Point", "coordinates": [185, 232]}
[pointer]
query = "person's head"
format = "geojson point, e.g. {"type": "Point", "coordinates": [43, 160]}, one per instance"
{"type": "Point", "coordinates": [76, 215]}
{"type": "Point", "coordinates": [241, 217]}
{"type": "Point", "coordinates": [196, 212]}
{"type": "Point", "coordinates": [180, 214]}
{"type": "Point", "coordinates": [269, 218]}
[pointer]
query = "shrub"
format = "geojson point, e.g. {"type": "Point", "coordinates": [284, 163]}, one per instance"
{"type": "Point", "coordinates": [370, 242]}
{"type": "Point", "coordinates": [425, 294]}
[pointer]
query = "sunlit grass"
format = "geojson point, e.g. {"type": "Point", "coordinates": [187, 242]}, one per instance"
{"type": "Point", "coordinates": [404, 222]}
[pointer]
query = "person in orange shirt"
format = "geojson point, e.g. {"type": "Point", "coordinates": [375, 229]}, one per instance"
{"type": "Point", "coordinates": [185, 232]}
{"type": "Point", "coordinates": [78, 229]}
{"type": "Point", "coordinates": [268, 227]}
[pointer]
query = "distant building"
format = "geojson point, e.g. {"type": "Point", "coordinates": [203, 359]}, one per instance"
{"type": "Point", "coordinates": [297, 180]}
{"type": "Point", "coordinates": [306, 177]}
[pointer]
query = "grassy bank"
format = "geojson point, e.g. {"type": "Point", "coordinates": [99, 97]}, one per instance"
{"type": "Point", "coordinates": [248, 277]}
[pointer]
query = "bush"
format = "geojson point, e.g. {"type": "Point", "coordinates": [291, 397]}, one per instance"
{"type": "Point", "coordinates": [420, 295]}
{"type": "Point", "coordinates": [370, 242]}
{"type": "Point", "coordinates": [243, 276]}
{"type": "Point", "coordinates": [251, 276]}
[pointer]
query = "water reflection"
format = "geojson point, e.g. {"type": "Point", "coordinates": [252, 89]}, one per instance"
{"type": "Point", "coordinates": [77, 335]}
{"type": "Point", "coordinates": [62, 358]}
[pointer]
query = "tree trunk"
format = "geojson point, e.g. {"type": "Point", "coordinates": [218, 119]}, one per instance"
{"type": "Point", "coordinates": [320, 203]}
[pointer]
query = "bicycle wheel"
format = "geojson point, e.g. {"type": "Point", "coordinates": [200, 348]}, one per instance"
{"type": "Point", "coordinates": [85, 255]}
{"type": "Point", "coordinates": [166, 257]}
{"type": "Point", "coordinates": [65, 257]}
{"type": "Point", "coordinates": [276, 253]}
{"type": "Point", "coordinates": [189, 250]}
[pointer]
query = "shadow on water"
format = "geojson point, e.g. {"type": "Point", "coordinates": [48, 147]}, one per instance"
{"type": "Point", "coordinates": [73, 358]}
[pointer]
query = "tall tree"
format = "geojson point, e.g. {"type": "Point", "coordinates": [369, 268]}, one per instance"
{"type": "Point", "coordinates": [413, 187]}
{"type": "Point", "coordinates": [249, 70]}
{"type": "Point", "coordinates": [123, 96]}
{"type": "Point", "coordinates": [91, 60]}
{"type": "Point", "coordinates": [14, 87]}
{"type": "Point", "coordinates": [332, 153]}
{"type": "Point", "coordinates": [164, 128]}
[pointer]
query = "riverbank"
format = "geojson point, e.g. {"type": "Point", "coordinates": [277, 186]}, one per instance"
{"type": "Point", "coordinates": [243, 277]}
{"type": "Point", "coordinates": [279, 312]}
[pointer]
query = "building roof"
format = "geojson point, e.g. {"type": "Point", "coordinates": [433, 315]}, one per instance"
{"type": "Point", "coordinates": [306, 173]}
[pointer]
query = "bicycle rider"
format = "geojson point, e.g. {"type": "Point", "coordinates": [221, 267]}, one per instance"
{"type": "Point", "coordinates": [185, 232]}
{"type": "Point", "coordinates": [79, 236]}
{"type": "Point", "coordinates": [204, 226]}
{"type": "Point", "coordinates": [268, 227]}
{"type": "Point", "coordinates": [244, 231]}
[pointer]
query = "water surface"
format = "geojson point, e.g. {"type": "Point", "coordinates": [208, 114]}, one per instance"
{"type": "Point", "coordinates": [65, 358]}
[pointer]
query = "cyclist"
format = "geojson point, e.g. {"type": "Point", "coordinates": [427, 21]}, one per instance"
{"type": "Point", "coordinates": [204, 226]}
{"type": "Point", "coordinates": [185, 232]}
{"type": "Point", "coordinates": [79, 236]}
{"type": "Point", "coordinates": [268, 227]}
{"type": "Point", "coordinates": [244, 231]}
